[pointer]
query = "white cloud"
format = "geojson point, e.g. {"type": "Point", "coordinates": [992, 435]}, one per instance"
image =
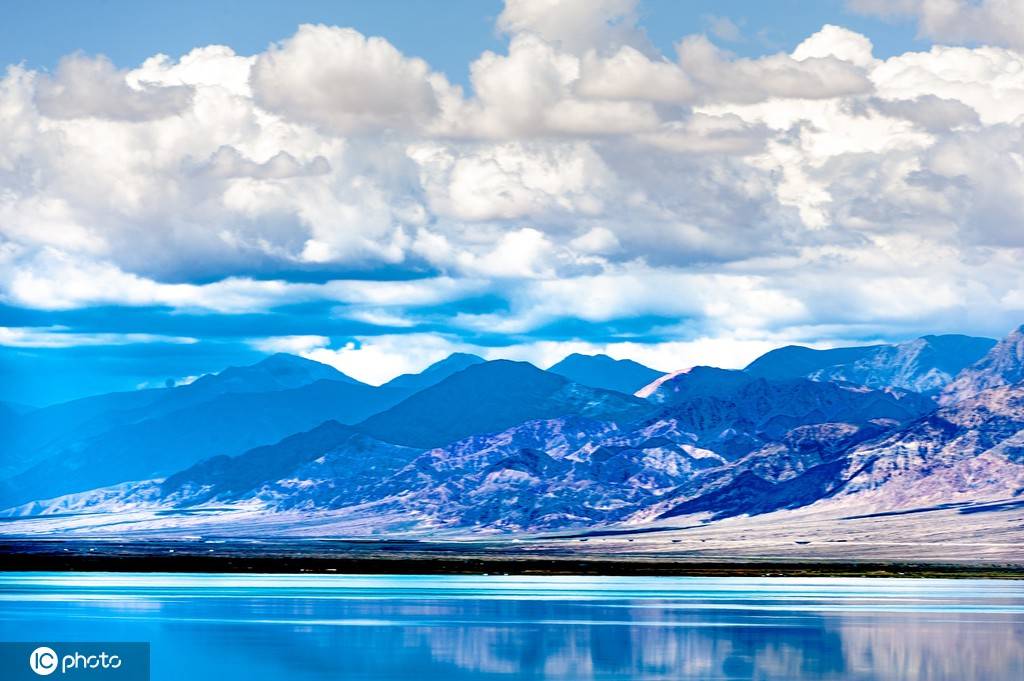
{"type": "Point", "coordinates": [583, 176]}
{"type": "Point", "coordinates": [993, 22]}
{"type": "Point", "coordinates": [838, 42]}
{"type": "Point", "coordinates": [631, 74]}
{"type": "Point", "coordinates": [340, 79]}
{"type": "Point", "coordinates": [751, 80]}
{"type": "Point", "coordinates": [724, 28]}
{"type": "Point", "coordinates": [574, 25]}
{"type": "Point", "coordinates": [86, 87]}
{"type": "Point", "coordinates": [296, 345]}
{"type": "Point", "coordinates": [55, 281]}
{"type": "Point", "coordinates": [378, 359]}
{"type": "Point", "coordinates": [62, 337]}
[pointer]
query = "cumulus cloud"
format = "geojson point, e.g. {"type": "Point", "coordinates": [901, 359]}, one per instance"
{"type": "Point", "coordinates": [574, 25]}
{"type": "Point", "coordinates": [341, 80]}
{"type": "Point", "coordinates": [585, 181]}
{"type": "Point", "coordinates": [993, 22]}
{"type": "Point", "coordinates": [85, 87]}
{"type": "Point", "coordinates": [750, 80]}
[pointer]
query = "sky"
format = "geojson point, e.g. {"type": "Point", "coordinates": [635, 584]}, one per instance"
{"type": "Point", "coordinates": [187, 186]}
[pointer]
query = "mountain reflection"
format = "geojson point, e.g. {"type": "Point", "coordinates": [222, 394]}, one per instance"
{"type": "Point", "coordinates": [874, 632]}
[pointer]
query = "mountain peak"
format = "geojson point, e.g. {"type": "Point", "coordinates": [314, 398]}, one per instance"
{"type": "Point", "coordinates": [602, 371]}
{"type": "Point", "coordinates": [280, 371]}
{"type": "Point", "coordinates": [924, 364]}
{"type": "Point", "coordinates": [691, 382]}
{"type": "Point", "coordinates": [436, 372]}
{"type": "Point", "coordinates": [1002, 365]}
{"type": "Point", "coordinates": [488, 397]}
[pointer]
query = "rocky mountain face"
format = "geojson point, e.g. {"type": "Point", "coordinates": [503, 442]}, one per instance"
{"type": "Point", "coordinates": [601, 371]}
{"type": "Point", "coordinates": [1002, 365]}
{"type": "Point", "coordinates": [969, 450]}
{"type": "Point", "coordinates": [605, 458]}
{"type": "Point", "coordinates": [734, 413]}
{"type": "Point", "coordinates": [925, 365]}
{"type": "Point", "coordinates": [506, 447]}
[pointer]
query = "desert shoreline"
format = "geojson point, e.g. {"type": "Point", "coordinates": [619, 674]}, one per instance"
{"type": "Point", "coordinates": [409, 558]}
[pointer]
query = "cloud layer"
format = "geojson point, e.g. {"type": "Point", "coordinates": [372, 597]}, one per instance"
{"type": "Point", "coordinates": [586, 192]}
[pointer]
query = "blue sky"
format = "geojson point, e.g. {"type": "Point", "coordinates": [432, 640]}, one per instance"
{"type": "Point", "coordinates": [449, 35]}
{"type": "Point", "coordinates": [375, 185]}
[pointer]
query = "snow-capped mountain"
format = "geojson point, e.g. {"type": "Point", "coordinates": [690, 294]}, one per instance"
{"type": "Point", "coordinates": [924, 365]}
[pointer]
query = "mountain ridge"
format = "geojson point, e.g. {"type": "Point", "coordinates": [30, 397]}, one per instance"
{"type": "Point", "coordinates": [601, 371]}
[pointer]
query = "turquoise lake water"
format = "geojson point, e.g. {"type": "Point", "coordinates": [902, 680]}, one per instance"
{"type": "Point", "coordinates": [301, 627]}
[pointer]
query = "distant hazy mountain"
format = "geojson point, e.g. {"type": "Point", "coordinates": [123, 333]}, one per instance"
{"type": "Point", "coordinates": [227, 424]}
{"type": "Point", "coordinates": [924, 365]}
{"type": "Point", "coordinates": [52, 431]}
{"type": "Point", "coordinates": [15, 408]}
{"type": "Point", "coordinates": [601, 371]}
{"type": "Point", "coordinates": [280, 371]}
{"type": "Point", "coordinates": [128, 436]}
{"type": "Point", "coordinates": [435, 373]}
{"type": "Point", "coordinates": [488, 397]}
{"type": "Point", "coordinates": [1002, 365]}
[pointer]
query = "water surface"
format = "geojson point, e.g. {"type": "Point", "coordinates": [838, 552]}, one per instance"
{"type": "Point", "coordinates": [253, 627]}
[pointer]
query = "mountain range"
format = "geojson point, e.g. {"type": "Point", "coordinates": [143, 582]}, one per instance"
{"type": "Point", "coordinates": [500, 446]}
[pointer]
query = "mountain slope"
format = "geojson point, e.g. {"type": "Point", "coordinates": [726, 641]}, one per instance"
{"type": "Point", "coordinates": [734, 413]}
{"type": "Point", "coordinates": [280, 371]}
{"type": "Point", "coordinates": [228, 424]}
{"type": "Point", "coordinates": [1002, 365]}
{"type": "Point", "coordinates": [49, 431]}
{"type": "Point", "coordinates": [489, 397]}
{"type": "Point", "coordinates": [435, 373]}
{"type": "Point", "coordinates": [966, 453]}
{"type": "Point", "coordinates": [331, 465]}
{"type": "Point", "coordinates": [924, 365]}
{"type": "Point", "coordinates": [601, 371]}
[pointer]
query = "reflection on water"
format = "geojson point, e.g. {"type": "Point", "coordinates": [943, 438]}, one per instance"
{"type": "Point", "coordinates": [423, 628]}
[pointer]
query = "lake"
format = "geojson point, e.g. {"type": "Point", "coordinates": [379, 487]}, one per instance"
{"type": "Point", "coordinates": [305, 627]}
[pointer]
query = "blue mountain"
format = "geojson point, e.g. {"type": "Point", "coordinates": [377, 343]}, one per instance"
{"type": "Point", "coordinates": [492, 396]}
{"type": "Point", "coordinates": [327, 466]}
{"type": "Point", "coordinates": [601, 371]}
{"type": "Point", "coordinates": [734, 412]}
{"type": "Point", "coordinates": [436, 372]}
{"type": "Point", "coordinates": [52, 430]}
{"type": "Point", "coordinates": [226, 424]}
{"type": "Point", "coordinates": [506, 446]}
{"type": "Point", "coordinates": [280, 371]}
{"type": "Point", "coordinates": [924, 365]}
{"type": "Point", "coordinates": [1003, 365]}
